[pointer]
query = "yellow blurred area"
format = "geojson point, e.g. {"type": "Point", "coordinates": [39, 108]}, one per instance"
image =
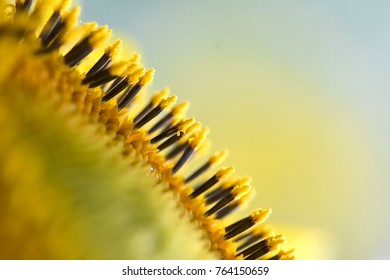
{"type": "Point", "coordinates": [306, 153]}
{"type": "Point", "coordinates": [297, 93]}
{"type": "Point", "coordinates": [309, 243]}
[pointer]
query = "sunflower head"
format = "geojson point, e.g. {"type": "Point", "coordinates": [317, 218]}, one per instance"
{"type": "Point", "coordinates": [89, 171]}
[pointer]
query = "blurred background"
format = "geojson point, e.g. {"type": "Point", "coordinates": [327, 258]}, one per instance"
{"type": "Point", "coordinates": [298, 91]}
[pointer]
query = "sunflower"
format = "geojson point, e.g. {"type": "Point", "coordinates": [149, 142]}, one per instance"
{"type": "Point", "coordinates": [89, 171]}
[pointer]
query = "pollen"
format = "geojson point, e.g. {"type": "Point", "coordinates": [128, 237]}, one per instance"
{"type": "Point", "coordinates": [93, 172]}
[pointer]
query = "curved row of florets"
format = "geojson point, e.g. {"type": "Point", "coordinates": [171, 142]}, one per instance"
{"type": "Point", "coordinates": [157, 133]}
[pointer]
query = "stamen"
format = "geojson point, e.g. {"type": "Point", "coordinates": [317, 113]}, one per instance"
{"type": "Point", "coordinates": [218, 193]}
{"type": "Point", "coordinates": [234, 205]}
{"type": "Point", "coordinates": [284, 255]}
{"type": "Point", "coordinates": [218, 157]}
{"type": "Point", "coordinates": [271, 244]}
{"type": "Point", "coordinates": [23, 5]}
{"type": "Point", "coordinates": [155, 100]}
{"type": "Point", "coordinates": [132, 91]}
{"type": "Point", "coordinates": [121, 83]}
{"type": "Point", "coordinates": [51, 29]}
{"type": "Point", "coordinates": [227, 210]}
{"type": "Point", "coordinates": [177, 112]}
{"type": "Point", "coordinates": [261, 244]}
{"type": "Point", "coordinates": [181, 126]}
{"type": "Point", "coordinates": [106, 58]}
{"type": "Point", "coordinates": [170, 141]}
{"type": "Point", "coordinates": [244, 236]}
{"type": "Point", "coordinates": [176, 137]}
{"type": "Point", "coordinates": [105, 76]}
{"type": "Point", "coordinates": [176, 150]}
{"type": "Point", "coordinates": [127, 77]}
{"type": "Point", "coordinates": [194, 144]}
{"type": "Point", "coordinates": [252, 237]}
{"type": "Point", "coordinates": [113, 49]}
{"type": "Point", "coordinates": [221, 174]}
{"type": "Point", "coordinates": [69, 35]}
{"type": "Point", "coordinates": [155, 111]}
{"type": "Point", "coordinates": [147, 78]}
{"type": "Point", "coordinates": [63, 5]}
{"type": "Point", "coordinates": [56, 26]}
{"type": "Point", "coordinates": [184, 144]}
{"type": "Point", "coordinates": [255, 218]}
{"type": "Point", "coordinates": [128, 96]}
{"type": "Point", "coordinates": [86, 46]}
{"type": "Point", "coordinates": [233, 194]}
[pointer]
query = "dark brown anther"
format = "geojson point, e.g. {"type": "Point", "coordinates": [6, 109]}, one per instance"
{"type": "Point", "coordinates": [170, 141]}
{"type": "Point", "coordinates": [187, 154]}
{"type": "Point", "coordinates": [220, 204]}
{"type": "Point", "coordinates": [119, 84]}
{"type": "Point", "coordinates": [128, 95]}
{"type": "Point", "coordinates": [52, 29]}
{"type": "Point", "coordinates": [78, 52]}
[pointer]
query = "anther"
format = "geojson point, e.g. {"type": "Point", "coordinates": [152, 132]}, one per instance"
{"type": "Point", "coordinates": [242, 225]}
{"type": "Point", "coordinates": [221, 174]}
{"type": "Point", "coordinates": [51, 29]}
{"type": "Point", "coordinates": [234, 205]}
{"type": "Point", "coordinates": [260, 249]}
{"type": "Point", "coordinates": [227, 210]}
{"type": "Point", "coordinates": [180, 127]}
{"type": "Point", "coordinates": [165, 103]}
{"type": "Point", "coordinates": [252, 237]}
{"type": "Point", "coordinates": [128, 95]}
{"type": "Point", "coordinates": [86, 46]}
{"type": "Point", "coordinates": [260, 244]}
{"type": "Point", "coordinates": [170, 141]}
{"type": "Point", "coordinates": [105, 76]}
{"type": "Point", "coordinates": [105, 60]}
{"type": "Point", "coordinates": [132, 91]}
{"type": "Point", "coordinates": [284, 255]}
{"type": "Point", "coordinates": [23, 5]}
{"type": "Point", "coordinates": [56, 25]}
{"type": "Point", "coordinates": [187, 154]}
{"type": "Point", "coordinates": [177, 150]}
{"type": "Point", "coordinates": [176, 137]}
{"type": "Point", "coordinates": [215, 159]}
{"type": "Point", "coordinates": [194, 143]}
{"type": "Point", "coordinates": [177, 112]}
{"type": "Point", "coordinates": [155, 100]}
{"type": "Point", "coordinates": [69, 34]}
{"type": "Point", "coordinates": [233, 194]}
{"type": "Point", "coordinates": [216, 194]}
{"type": "Point", "coordinates": [122, 83]}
